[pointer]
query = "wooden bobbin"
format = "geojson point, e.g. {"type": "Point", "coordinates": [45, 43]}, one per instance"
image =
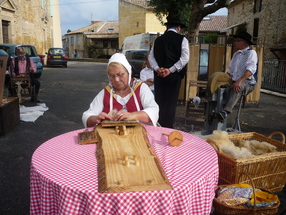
{"type": "Point", "coordinates": [175, 138]}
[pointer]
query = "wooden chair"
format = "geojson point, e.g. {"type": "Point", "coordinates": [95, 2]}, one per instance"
{"type": "Point", "coordinates": [22, 88]}
{"type": "Point", "coordinates": [197, 112]}
{"type": "Point", "coordinates": [198, 84]}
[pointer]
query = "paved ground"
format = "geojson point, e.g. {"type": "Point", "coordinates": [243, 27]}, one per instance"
{"type": "Point", "coordinates": [268, 116]}
{"type": "Point", "coordinates": [67, 92]}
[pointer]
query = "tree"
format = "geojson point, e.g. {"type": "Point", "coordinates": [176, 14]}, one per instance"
{"type": "Point", "coordinates": [190, 12]}
{"type": "Point", "coordinates": [210, 38]}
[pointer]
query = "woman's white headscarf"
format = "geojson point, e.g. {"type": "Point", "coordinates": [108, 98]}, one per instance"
{"type": "Point", "coordinates": [120, 58]}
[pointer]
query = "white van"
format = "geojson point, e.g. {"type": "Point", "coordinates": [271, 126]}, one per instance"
{"type": "Point", "coordinates": [139, 41]}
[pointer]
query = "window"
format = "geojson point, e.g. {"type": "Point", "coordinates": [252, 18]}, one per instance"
{"type": "Point", "coordinates": [113, 44]}
{"type": "Point", "coordinates": [204, 57]}
{"type": "Point", "coordinates": [78, 40]}
{"type": "Point", "coordinates": [139, 55]}
{"type": "Point", "coordinates": [43, 4]}
{"type": "Point", "coordinates": [5, 31]}
{"type": "Point", "coordinates": [105, 43]}
{"type": "Point", "coordinates": [255, 27]}
{"type": "Point", "coordinates": [257, 6]}
{"type": "Point", "coordinates": [203, 67]}
{"type": "Point", "coordinates": [29, 51]}
{"type": "Point", "coordinates": [6, 49]}
{"type": "Point", "coordinates": [71, 41]}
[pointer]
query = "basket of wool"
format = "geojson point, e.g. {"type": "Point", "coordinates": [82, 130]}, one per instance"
{"type": "Point", "coordinates": [261, 157]}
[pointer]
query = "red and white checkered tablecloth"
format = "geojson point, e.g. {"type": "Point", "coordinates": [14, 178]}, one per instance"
{"type": "Point", "coordinates": [64, 179]}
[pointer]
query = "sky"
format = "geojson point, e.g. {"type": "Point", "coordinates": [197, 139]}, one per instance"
{"type": "Point", "coordinates": [76, 14]}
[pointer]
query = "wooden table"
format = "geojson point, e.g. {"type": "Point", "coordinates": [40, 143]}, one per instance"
{"type": "Point", "coordinates": [64, 178]}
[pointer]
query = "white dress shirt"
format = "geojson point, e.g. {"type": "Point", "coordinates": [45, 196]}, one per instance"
{"type": "Point", "coordinates": [180, 64]}
{"type": "Point", "coordinates": [241, 61]}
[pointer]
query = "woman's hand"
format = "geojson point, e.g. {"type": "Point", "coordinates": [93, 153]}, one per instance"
{"type": "Point", "coordinates": [118, 116]}
{"type": "Point", "coordinates": [102, 116]}
{"type": "Point", "coordinates": [121, 115]}
{"type": "Point", "coordinates": [94, 120]}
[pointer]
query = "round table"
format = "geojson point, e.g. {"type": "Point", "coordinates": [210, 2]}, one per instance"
{"type": "Point", "coordinates": [64, 178]}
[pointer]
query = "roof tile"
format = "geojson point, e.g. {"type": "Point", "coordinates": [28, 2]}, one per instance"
{"type": "Point", "coordinates": [98, 27]}
{"type": "Point", "coordinates": [213, 23]}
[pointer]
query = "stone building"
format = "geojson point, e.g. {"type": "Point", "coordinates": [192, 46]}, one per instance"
{"type": "Point", "coordinates": [136, 17]}
{"type": "Point", "coordinates": [265, 20]}
{"type": "Point", "coordinates": [97, 40]}
{"type": "Point", "coordinates": [34, 22]}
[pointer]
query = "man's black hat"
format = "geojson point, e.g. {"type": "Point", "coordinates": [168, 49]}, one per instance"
{"type": "Point", "coordinates": [246, 36]}
{"type": "Point", "coordinates": [175, 21]}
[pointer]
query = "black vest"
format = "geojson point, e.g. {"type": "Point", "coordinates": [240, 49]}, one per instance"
{"type": "Point", "coordinates": [167, 50]}
{"type": "Point", "coordinates": [28, 64]}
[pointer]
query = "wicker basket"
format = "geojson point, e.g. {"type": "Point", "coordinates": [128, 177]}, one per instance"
{"type": "Point", "coordinates": [267, 170]}
{"type": "Point", "coordinates": [224, 209]}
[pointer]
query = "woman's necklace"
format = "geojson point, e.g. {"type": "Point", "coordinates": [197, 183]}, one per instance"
{"type": "Point", "coordinates": [120, 92]}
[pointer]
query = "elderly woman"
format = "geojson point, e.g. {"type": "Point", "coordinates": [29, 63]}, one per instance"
{"type": "Point", "coordinates": [130, 97]}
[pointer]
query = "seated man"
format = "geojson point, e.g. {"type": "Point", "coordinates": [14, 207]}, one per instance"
{"type": "Point", "coordinates": [22, 64]}
{"type": "Point", "coordinates": [242, 69]}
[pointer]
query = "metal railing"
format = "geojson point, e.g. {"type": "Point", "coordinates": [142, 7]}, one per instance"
{"type": "Point", "coordinates": [274, 75]}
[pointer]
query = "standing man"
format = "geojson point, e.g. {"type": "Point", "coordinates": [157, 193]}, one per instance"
{"type": "Point", "coordinates": [23, 64]}
{"type": "Point", "coordinates": [242, 70]}
{"type": "Point", "coordinates": [169, 57]}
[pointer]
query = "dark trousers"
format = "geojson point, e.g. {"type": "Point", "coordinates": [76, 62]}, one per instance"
{"type": "Point", "coordinates": [166, 95]}
{"type": "Point", "coordinates": [8, 85]}
{"type": "Point", "coordinates": [35, 82]}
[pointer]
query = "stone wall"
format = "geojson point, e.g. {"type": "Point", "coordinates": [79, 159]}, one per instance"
{"type": "Point", "coordinates": [272, 19]}
{"type": "Point", "coordinates": [136, 19]}
{"type": "Point", "coordinates": [29, 23]}
{"type": "Point", "coordinates": [131, 20]}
